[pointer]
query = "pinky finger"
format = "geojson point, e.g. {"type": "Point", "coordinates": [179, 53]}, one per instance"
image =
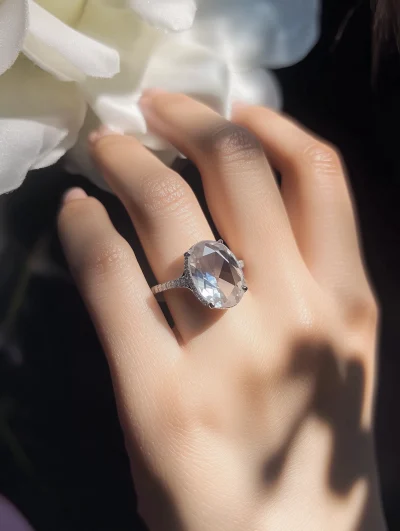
{"type": "Point", "coordinates": [139, 345]}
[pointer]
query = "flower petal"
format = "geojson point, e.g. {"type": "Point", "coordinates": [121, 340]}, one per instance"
{"type": "Point", "coordinates": [177, 64]}
{"type": "Point", "coordinates": [64, 52]}
{"type": "Point", "coordinates": [115, 101]}
{"type": "Point", "coordinates": [272, 33]}
{"type": "Point", "coordinates": [118, 27]}
{"type": "Point", "coordinates": [172, 65]}
{"type": "Point", "coordinates": [181, 65]}
{"type": "Point", "coordinates": [257, 87]}
{"type": "Point", "coordinates": [78, 160]}
{"type": "Point", "coordinates": [39, 121]}
{"type": "Point", "coordinates": [175, 15]}
{"type": "Point", "coordinates": [69, 11]}
{"type": "Point", "coordinates": [218, 61]}
{"type": "Point", "coordinates": [14, 18]}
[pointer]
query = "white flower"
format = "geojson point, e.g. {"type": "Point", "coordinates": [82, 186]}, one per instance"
{"type": "Point", "coordinates": [68, 65]}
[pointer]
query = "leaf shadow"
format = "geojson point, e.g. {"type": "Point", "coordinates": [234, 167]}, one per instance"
{"type": "Point", "coordinates": [337, 399]}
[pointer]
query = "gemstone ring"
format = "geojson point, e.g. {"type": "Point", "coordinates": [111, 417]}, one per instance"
{"type": "Point", "coordinates": [213, 274]}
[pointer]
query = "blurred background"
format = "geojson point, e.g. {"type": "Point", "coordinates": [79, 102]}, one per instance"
{"type": "Point", "coordinates": [62, 457]}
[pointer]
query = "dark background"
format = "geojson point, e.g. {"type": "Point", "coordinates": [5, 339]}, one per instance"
{"type": "Point", "coordinates": [62, 458]}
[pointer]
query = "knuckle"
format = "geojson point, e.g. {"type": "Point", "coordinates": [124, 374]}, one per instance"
{"type": "Point", "coordinates": [106, 257]}
{"type": "Point", "coordinates": [234, 143]}
{"type": "Point", "coordinates": [371, 306]}
{"type": "Point", "coordinates": [363, 312]}
{"type": "Point", "coordinates": [323, 158]}
{"type": "Point", "coordinates": [361, 325]}
{"type": "Point", "coordinates": [164, 193]}
{"type": "Point", "coordinates": [96, 252]}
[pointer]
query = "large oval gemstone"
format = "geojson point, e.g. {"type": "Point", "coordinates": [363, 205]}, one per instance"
{"type": "Point", "coordinates": [216, 274]}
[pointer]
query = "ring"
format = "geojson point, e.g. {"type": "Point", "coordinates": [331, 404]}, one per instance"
{"type": "Point", "coordinates": [212, 273]}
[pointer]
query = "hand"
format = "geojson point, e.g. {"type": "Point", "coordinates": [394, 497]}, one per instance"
{"type": "Point", "coordinates": [260, 417]}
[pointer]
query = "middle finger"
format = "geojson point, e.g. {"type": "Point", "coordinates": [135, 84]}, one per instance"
{"type": "Point", "coordinates": [240, 187]}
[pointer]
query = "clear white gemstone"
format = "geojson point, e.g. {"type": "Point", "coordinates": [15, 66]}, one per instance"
{"type": "Point", "coordinates": [216, 274]}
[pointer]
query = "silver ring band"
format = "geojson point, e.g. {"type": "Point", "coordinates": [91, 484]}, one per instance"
{"type": "Point", "coordinates": [171, 284]}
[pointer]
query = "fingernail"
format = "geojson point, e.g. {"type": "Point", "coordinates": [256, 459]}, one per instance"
{"type": "Point", "coordinates": [72, 194]}
{"type": "Point", "coordinates": [102, 131]}
{"type": "Point", "coordinates": [148, 94]}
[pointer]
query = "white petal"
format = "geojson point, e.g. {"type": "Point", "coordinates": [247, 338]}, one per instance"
{"type": "Point", "coordinates": [176, 65]}
{"type": "Point", "coordinates": [40, 118]}
{"type": "Point", "coordinates": [175, 15]}
{"type": "Point", "coordinates": [180, 65]}
{"type": "Point", "coordinates": [69, 11]}
{"type": "Point", "coordinates": [118, 27]}
{"type": "Point", "coordinates": [258, 87]}
{"type": "Point", "coordinates": [65, 52]}
{"type": "Point", "coordinates": [195, 71]}
{"type": "Point", "coordinates": [271, 33]}
{"type": "Point", "coordinates": [78, 160]}
{"type": "Point", "coordinates": [13, 27]}
{"type": "Point", "coordinates": [115, 101]}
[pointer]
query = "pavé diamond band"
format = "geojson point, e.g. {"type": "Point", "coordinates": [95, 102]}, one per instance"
{"type": "Point", "coordinates": [214, 275]}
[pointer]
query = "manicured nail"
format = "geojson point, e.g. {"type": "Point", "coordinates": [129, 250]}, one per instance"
{"type": "Point", "coordinates": [103, 130]}
{"type": "Point", "coordinates": [73, 194]}
{"type": "Point", "coordinates": [148, 94]}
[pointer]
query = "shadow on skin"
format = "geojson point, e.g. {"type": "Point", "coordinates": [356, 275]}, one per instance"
{"type": "Point", "coordinates": [336, 399]}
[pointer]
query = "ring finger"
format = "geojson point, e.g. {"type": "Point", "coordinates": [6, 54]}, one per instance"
{"type": "Point", "coordinates": [164, 211]}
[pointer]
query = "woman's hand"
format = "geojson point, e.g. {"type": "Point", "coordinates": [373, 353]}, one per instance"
{"type": "Point", "coordinates": [260, 417]}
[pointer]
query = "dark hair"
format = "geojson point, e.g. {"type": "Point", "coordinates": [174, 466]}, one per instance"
{"type": "Point", "coordinates": [386, 25]}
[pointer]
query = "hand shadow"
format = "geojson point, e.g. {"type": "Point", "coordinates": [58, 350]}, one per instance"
{"type": "Point", "coordinates": [337, 400]}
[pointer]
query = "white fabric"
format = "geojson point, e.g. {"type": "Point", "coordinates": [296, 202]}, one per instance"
{"type": "Point", "coordinates": [214, 50]}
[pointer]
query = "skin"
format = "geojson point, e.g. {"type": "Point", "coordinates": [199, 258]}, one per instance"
{"type": "Point", "coordinates": [257, 418]}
